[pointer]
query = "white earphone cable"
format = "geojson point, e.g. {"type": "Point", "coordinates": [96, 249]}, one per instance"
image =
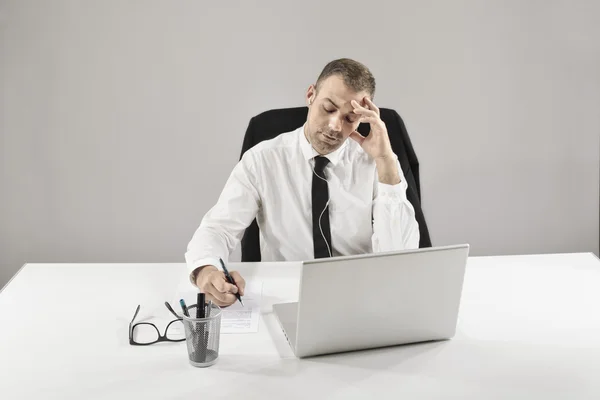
{"type": "Point", "coordinates": [326, 204]}
{"type": "Point", "coordinates": [323, 212]}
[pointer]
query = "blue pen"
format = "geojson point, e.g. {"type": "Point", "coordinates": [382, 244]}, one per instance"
{"type": "Point", "coordinates": [184, 307]}
{"type": "Point", "coordinates": [230, 280]}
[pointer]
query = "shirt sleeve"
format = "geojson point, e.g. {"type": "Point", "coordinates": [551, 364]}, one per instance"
{"type": "Point", "coordinates": [394, 224]}
{"type": "Point", "coordinates": [224, 224]}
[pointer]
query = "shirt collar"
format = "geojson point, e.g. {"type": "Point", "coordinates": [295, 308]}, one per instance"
{"type": "Point", "coordinates": [308, 152]}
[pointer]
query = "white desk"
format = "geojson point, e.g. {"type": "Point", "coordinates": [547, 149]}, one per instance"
{"type": "Point", "coordinates": [529, 328]}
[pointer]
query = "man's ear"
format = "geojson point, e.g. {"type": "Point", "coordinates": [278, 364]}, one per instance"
{"type": "Point", "coordinates": [311, 93]}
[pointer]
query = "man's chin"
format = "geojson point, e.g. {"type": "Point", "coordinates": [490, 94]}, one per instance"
{"type": "Point", "coordinates": [325, 148]}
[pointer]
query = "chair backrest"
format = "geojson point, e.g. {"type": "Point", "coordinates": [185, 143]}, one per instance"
{"type": "Point", "coordinates": [272, 123]}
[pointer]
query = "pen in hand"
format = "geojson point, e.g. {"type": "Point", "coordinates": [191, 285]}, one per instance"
{"type": "Point", "coordinates": [230, 280]}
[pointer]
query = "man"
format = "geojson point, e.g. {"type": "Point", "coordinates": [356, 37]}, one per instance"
{"type": "Point", "coordinates": [313, 192]}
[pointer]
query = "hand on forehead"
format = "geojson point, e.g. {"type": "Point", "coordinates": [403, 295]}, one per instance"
{"type": "Point", "coordinates": [347, 103]}
{"type": "Point", "coordinates": [335, 89]}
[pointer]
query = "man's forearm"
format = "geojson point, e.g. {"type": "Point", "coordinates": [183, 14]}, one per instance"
{"type": "Point", "coordinates": [224, 223]}
{"type": "Point", "coordinates": [387, 170]}
{"type": "Point", "coordinates": [197, 274]}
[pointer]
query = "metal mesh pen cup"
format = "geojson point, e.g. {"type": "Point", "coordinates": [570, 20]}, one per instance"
{"type": "Point", "coordinates": [202, 336]}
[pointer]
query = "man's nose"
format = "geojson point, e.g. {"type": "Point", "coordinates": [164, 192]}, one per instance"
{"type": "Point", "coordinates": [335, 124]}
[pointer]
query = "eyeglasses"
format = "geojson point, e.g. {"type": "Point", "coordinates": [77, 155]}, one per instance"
{"type": "Point", "coordinates": [143, 334]}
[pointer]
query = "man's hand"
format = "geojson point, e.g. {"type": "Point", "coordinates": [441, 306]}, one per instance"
{"type": "Point", "coordinates": [377, 143]}
{"type": "Point", "coordinates": [212, 282]}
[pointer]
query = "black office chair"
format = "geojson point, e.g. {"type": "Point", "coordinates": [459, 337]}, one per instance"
{"type": "Point", "coordinates": [269, 124]}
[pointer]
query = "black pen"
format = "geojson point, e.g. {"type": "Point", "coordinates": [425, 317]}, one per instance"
{"type": "Point", "coordinates": [200, 311]}
{"type": "Point", "coordinates": [230, 280]}
{"type": "Point", "coordinates": [203, 335]}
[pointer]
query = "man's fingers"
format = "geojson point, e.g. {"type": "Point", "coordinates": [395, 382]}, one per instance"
{"type": "Point", "coordinates": [357, 137]}
{"type": "Point", "coordinates": [372, 105]}
{"type": "Point", "coordinates": [239, 281]}
{"type": "Point", "coordinates": [221, 291]}
{"type": "Point", "coordinates": [355, 104]}
{"type": "Point", "coordinates": [219, 302]}
{"type": "Point", "coordinates": [220, 297]}
{"type": "Point", "coordinates": [223, 286]}
{"type": "Point", "coordinates": [362, 111]}
{"type": "Point", "coordinates": [217, 279]}
{"type": "Point", "coordinates": [369, 119]}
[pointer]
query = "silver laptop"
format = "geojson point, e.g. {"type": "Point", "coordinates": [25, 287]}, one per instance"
{"type": "Point", "coordinates": [375, 300]}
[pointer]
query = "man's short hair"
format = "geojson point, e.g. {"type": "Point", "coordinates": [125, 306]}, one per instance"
{"type": "Point", "coordinates": [355, 75]}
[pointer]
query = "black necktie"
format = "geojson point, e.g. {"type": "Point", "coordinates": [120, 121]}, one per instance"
{"type": "Point", "coordinates": [320, 214]}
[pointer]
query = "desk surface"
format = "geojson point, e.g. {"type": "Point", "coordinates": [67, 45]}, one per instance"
{"type": "Point", "coordinates": [529, 327]}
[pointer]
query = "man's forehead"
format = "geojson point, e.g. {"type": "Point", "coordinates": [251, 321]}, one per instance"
{"type": "Point", "coordinates": [334, 89]}
{"type": "Point", "coordinates": [345, 102]}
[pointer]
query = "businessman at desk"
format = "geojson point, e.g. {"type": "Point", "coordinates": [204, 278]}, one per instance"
{"type": "Point", "coordinates": [313, 192]}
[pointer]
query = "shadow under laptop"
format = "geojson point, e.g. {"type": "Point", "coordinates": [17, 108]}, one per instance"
{"type": "Point", "coordinates": [406, 356]}
{"type": "Point", "coordinates": [481, 365]}
{"type": "Point", "coordinates": [382, 358]}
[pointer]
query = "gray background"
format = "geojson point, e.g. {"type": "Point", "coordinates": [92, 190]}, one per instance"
{"type": "Point", "coordinates": [121, 120]}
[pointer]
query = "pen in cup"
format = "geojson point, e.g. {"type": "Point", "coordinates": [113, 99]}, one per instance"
{"type": "Point", "coordinates": [202, 343]}
{"type": "Point", "coordinates": [184, 307]}
{"type": "Point", "coordinates": [208, 307]}
{"type": "Point", "coordinates": [200, 307]}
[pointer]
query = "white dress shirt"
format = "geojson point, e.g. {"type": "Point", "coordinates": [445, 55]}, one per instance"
{"type": "Point", "coordinates": [273, 182]}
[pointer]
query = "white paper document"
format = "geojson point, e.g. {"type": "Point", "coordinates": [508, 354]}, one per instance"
{"type": "Point", "coordinates": [243, 319]}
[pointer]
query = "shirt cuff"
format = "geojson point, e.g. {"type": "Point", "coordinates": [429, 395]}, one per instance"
{"type": "Point", "coordinates": [391, 194]}
{"type": "Point", "coordinates": [202, 262]}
